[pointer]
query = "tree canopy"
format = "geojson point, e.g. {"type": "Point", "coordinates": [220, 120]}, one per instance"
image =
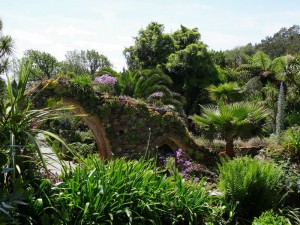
{"type": "Point", "coordinates": [181, 55]}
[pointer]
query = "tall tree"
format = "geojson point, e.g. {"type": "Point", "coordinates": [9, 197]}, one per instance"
{"type": "Point", "coordinates": [44, 65]}
{"type": "Point", "coordinates": [151, 48]}
{"type": "Point", "coordinates": [192, 71]}
{"type": "Point", "coordinates": [6, 49]}
{"type": "Point", "coordinates": [181, 55]}
{"type": "Point", "coordinates": [285, 41]}
{"type": "Point", "coordinates": [88, 61]}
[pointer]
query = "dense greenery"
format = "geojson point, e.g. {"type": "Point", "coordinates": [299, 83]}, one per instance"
{"type": "Point", "coordinates": [251, 186]}
{"type": "Point", "coordinates": [249, 91]}
{"type": "Point", "coordinates": [127, 192]}
{"type": "Point", "coordinates": [231, 121]}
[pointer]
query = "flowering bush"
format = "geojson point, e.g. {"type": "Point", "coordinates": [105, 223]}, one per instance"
{"type": "Point", "coordinates": [105, 79]}
{"type": "Point", "coordinates": [156, 98]}
{"type": "Point", "coordinates": [105, 83]}
{"type": "Point", "coordinates": [157, 94]}
{"type": "Point", "coordinates": [188, 168]}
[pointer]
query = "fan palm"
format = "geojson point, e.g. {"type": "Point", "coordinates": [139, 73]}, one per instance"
{"type": "Point", "coordinates": [227, 92]}
{"type": "Point", "coordinates": [231, 121]}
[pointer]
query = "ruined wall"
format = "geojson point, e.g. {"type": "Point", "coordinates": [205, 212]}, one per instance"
{"type": "Point", "coordinates": [122, 126]}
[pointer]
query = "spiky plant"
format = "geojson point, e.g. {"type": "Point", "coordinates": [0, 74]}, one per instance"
{"type": "Point", "coordinates": [280, 114]}
{"type": "Point", "coordinates": [231, 121]}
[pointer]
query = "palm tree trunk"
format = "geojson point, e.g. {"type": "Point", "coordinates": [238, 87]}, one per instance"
{"type": "Point", "coordinates": [229, 148]}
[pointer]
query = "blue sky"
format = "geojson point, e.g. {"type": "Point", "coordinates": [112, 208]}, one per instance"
{"type": "Point", "coordinates": [57, 26]}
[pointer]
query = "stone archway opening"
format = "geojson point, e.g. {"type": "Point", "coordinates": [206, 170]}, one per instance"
{"type": "Point", "coordinates": [96, 127]}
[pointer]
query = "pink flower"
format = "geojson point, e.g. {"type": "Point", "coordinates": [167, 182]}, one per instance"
{"type": "Point", "coordinates": [105, 79]}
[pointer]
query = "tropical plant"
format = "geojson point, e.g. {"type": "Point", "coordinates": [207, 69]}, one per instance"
{"type": "Point", "coordinates": [227, 92]}
{"type": "Point", "coordinates": [251, 185]}
{"type": "Point", "coordinates": [151, 85]}
{"type": "Point", "coordinates": [280, 114]}
{"type": "Point", "coordinates": [128, 192]}
{"type": "Point", "coordinates": [231, 121]}
{"type": "Point", "coordinates": [291, 140]}
{"type": "Point", "coordinates": [270, 92]}
{"type": "Point", "coordinates": [259, 65]}
{"type": "Point", "coordinates": [44, 65]}
{"type": "Point", "coordinates": [6, 49]}
{"type": "Point", "coordinates": [19, 131]}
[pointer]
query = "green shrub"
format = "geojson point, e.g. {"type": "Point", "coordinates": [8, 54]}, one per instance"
{"type": "Point", "coordinates": [129, 192]}
{"type": "Point", "coordinates": [82, 87]}
{"type": "Point", "coordinates": [292, 140]}
{"type": "Point", "coordinates": [250, 186]}
{"type": "Point", "coordinates": [270, 218]}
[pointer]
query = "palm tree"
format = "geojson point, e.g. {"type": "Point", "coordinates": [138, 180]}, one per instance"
{"type": "Point", "coordinates": [231, 121]}
{"type": "Point", "coordinates": [227, 92]}
{"type": "Point", "coordinates": [6, 49]}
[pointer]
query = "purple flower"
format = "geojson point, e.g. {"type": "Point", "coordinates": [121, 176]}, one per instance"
{"type": "Point", "coordinates": [105, 79]}
{"type": "Point", "coordinates": [157, 94]}
{"type": "Point", "coordinates": [187, 163]}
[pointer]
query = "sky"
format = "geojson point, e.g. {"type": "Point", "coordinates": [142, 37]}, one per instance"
{"type": "Point", "coordinates": [58, 26]}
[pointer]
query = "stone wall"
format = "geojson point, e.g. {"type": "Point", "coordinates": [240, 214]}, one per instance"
{"type": "Point", "coordinates": [122, 126]}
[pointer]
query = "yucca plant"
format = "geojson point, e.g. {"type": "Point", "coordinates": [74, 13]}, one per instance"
{"type": "Point", "coordinates": [128, 192]}
{"type": "Point", "coordinates": [251, 185]}
{"type": "Point", "coordinates": [231, 121]}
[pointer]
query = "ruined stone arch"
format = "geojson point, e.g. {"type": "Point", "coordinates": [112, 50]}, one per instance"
{"type": "Point", "coordinates": [172, 140]}
{"type": "Point", "coordinates": [95, 125]}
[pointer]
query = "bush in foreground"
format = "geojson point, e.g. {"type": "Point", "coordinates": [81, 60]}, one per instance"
{"type": "Point", "coordinates": [128, 192]}
{"type": "Point", "coordinates": [250, 186]}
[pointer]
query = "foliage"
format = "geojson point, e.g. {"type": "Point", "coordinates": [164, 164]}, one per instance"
{"type": "Point", "coordinates": [44, 65]}
{"type": "Point", "coordinates": [269, 217]}
{"type": "Point", "coordinates": [285, 41]}
{"type": "Point", "coordinates": [84, 62]}
{"type": "Point", "coordinates": [19, 128]}
{"type": "Point", "coordinates": [251, 185]}
{"type": "Point", "coordinates": [227, 92]}
{"type": "Point", "coordinates": [192, 70]}
{"type": "Point", "coordinates": [291, 140]}
{"type": "Point", "coordinates": [151, 48]}
{"type": "Point", "coordinates": [291, 182]}
{"type": "Point", "coordinates": [82, 86]}
{"type": "Point", "coordinates": [181, 55]}
{"type": "Point", "coordinates": [145, 84]}
{"type": "Point", "coordinates": [260, 65]}
{"type": "Point", "coordinates": [128, 192]}
{"type": "Point", "coordinates": [234, 58]}
{"type": "Point", "coordinates": [230, 121]}
{"type": "Point", "coordinates": [6, 49]}
{"type": "Point", "coordinates": [270, 92]}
